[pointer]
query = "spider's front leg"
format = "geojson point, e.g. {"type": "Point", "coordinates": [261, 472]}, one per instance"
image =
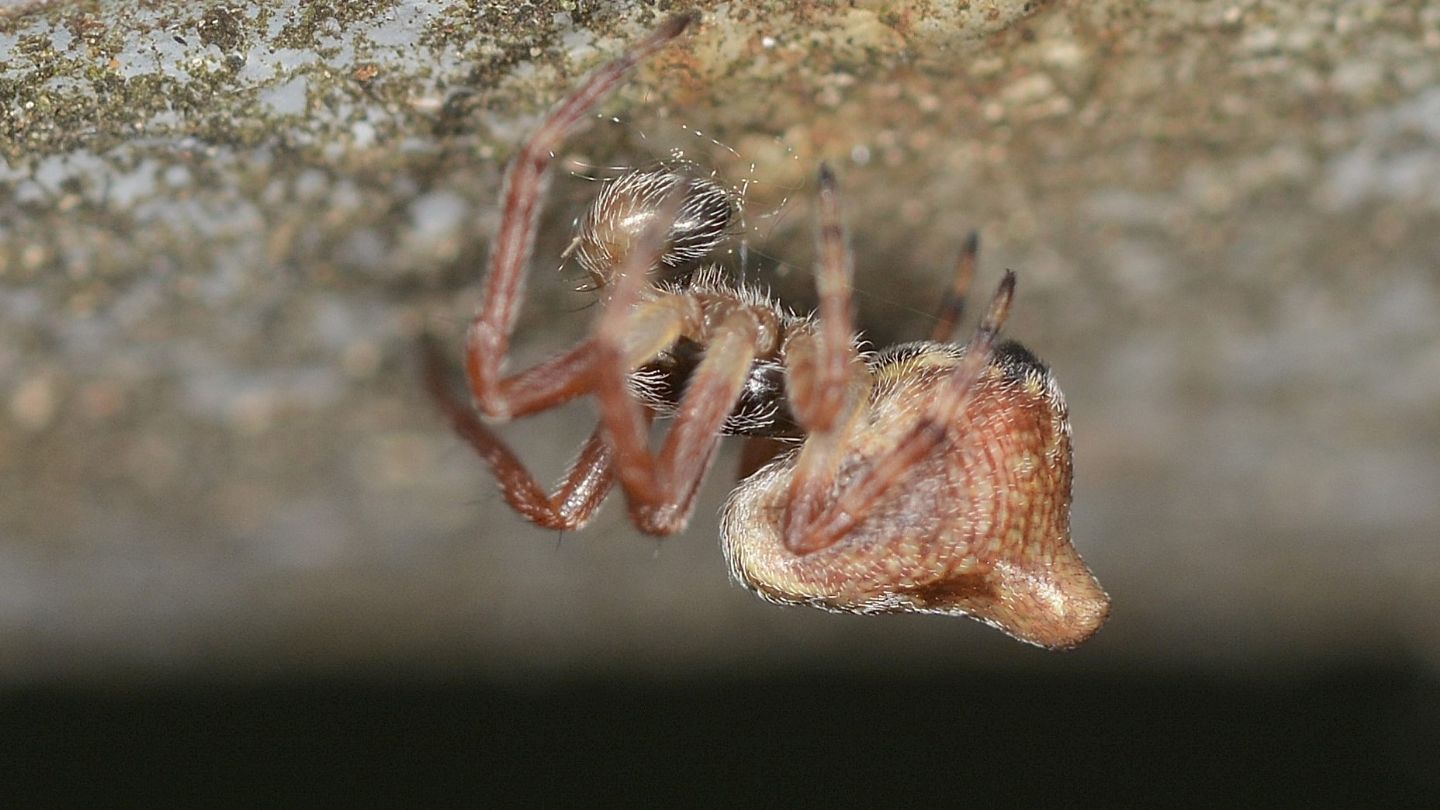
{"type": "Point", "coordinates": [662, 486]}
{"type": "Point", "coordinates": [488, 343]}
{"type": "Point", "coordinates": [561, 378]}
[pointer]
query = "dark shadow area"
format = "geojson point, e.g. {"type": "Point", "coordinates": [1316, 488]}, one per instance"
{"type": "Point", "coordinates": [1354, 738]}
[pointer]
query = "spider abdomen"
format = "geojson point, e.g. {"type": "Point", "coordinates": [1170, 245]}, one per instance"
{"type": "Point", "coordinates": [979, 527]}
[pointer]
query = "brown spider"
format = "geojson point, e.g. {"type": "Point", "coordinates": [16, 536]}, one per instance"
{"type": "Point", "coordinates": [928, 477]}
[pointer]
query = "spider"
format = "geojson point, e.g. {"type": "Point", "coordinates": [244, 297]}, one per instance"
{"type": "Point", "coordinates": [928, 477]}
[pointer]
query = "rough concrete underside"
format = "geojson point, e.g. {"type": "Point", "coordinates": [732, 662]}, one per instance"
{"type": "Point", "coordinates": [221, 229]}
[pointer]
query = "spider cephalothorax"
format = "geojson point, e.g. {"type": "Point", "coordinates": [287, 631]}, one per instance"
{"type": "Point", "coordinates": [929, 477]}
{"type": "Point", "coordinates": [628, 203]}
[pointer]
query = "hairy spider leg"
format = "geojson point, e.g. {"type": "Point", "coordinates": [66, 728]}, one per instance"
{"type": "Point", "coordinates": [488, 344]}
{"type": "Point", "coordinates": [822, 367]}
{"type": "Point", "coordinates": [818, 516]}
{"type": "Point", "coordinates": [558, 379]}
{"type": "Point", "coordinates": [834, 361]}
{"type": "Point", "coordinates": [849, 506]}
{"type": "Point", "coordinates": [662, 487]}
{"type": "Point", "coordinates": [824, 375]}
{"type": "Point", "coordinates": [952, 307]}
{"type": "Point", "coordinates": [580, 492]}
{"type": "Point", "coordinates": [759, 450]}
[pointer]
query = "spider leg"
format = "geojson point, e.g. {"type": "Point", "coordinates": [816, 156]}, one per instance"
{"type": "Point", "coordinates": [851, 504]}
{"type": "Point", "coordinates": [953, 305]}
{"type": "Point", "coordinates": [561, 378]}
{"type": "Point", "coordinates": [823, 361]}
{"type": "Point", "coordinates": [690, 444]}
{"type": "Point", "coordinates": [662, 486]}
{"type": "Point", "coordinates": [488, 343]}
{"type": "Point", "coordinates": [823, 373]}
{"type": "Point", "coordinates": [550, 383]}
{"type": "Point", "coordinates": [579, 494]}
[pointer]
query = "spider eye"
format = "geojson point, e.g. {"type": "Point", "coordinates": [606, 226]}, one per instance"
{"type": "Point", "coordinates": [627, 204]}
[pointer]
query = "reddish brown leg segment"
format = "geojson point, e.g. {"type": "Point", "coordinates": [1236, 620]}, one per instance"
{"type": "Point", "coordinates": [821, 369]}
{"type": "Point", "coordinates": [546, 385]}
{"type": "Point", "coordinates": [710, 396]}
{"type": "Point", "coordinates": [525, 181]}
{"type": "Point", "coordinates": [823, 361]}
{"type": "Point", "coordinates": [580, 493]}
{"type": "Point", "coordinates": [848, 506]}
{"type": "Point", "coordinates": [947, 320]}
{"type": "Point", "coordinates": [561, 378]}
{"type": "Point", "coordinates": [662, 487]}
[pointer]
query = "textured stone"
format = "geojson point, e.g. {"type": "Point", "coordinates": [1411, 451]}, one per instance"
{"type": "Point", "coordinates": [222, 228]}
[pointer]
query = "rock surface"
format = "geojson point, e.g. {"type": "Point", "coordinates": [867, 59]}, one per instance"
{"type": "Point", "coordinates": [222, 229]}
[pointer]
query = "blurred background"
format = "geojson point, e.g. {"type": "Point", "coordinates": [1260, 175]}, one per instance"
{"type": "Point", "coordinates": [238, 544]}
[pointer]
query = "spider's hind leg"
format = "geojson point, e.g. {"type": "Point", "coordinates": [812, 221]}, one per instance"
{"type": "Point", "coordinates": [526, 178]}
{"type": "Point", "coordinates": [579, 494]}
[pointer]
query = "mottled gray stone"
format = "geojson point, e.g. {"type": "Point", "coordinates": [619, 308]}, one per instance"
{"type": "Point", "coordinates": [222, 228]}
